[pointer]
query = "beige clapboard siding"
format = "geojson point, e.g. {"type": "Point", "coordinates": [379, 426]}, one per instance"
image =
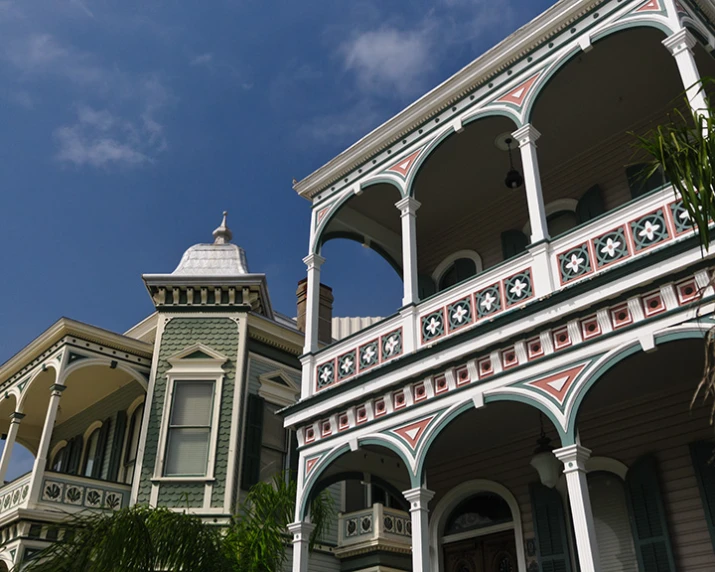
{"type": "Point", "coordinates": [660, 423]}
{"type": "Point", "coordinates": [603, 164]}
{"type": "Point", "coordinates": [664, 425]}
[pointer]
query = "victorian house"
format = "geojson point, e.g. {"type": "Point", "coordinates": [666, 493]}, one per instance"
{"type": "Point", "coordinates": [527, 407]}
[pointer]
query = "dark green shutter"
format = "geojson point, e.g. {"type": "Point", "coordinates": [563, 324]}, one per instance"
{"type": "Point", "coordinates": [425, 286]}
{"type": "Point", "coordinates": [513, 242]}
{"type": "Point", "coordinates": [590, 205]}
{"type": "Point", "coordinates": [639, 183]}
{"type": "Point", "coordinates": [550, 528]}
{"type": "Point", "coordinates": [650, 531]}
{"type": "Point", "coordinates": [115, 453]}
{"type": "Point", "coordinates": [704, 465]}
{"type": "Point", "coordinates": [74, 456]}
{"type": "Point", "coordinates": [293, 455]}
{"type": "Point", "coordinates": [252, 443]}
{"type": "Point", "coordinates": [101, 449]}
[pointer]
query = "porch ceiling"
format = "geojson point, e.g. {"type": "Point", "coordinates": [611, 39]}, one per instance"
{"type": "Point", "coordinates": [628, 81]}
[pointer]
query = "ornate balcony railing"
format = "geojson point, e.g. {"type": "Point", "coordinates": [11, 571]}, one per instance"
{"type": "Point", "coordinates": [612, 239]}
{"type": "Point", "coordinates": [377, 526]}
{"type": "Point", "coordinates": [83, 493]}
{"type": "Point", "coordinates": [15, 494]}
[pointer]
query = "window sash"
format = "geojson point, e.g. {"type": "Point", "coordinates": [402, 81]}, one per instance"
{"type": "Point", "coordinates": [189, 431]}
{"type": "Point", "coordinates": [90, 453]}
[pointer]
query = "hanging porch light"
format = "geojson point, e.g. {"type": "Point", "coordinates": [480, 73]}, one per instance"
{"type": "Point", "coordinates": [513, 179]}
{"type": "Point", "coordinates": [544, 460]}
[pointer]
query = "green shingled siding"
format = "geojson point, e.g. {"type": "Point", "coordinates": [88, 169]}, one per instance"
{"type": "Point", "coordinates": [182, 495]}
{"type": "Point", "coordinates": [220, 334]}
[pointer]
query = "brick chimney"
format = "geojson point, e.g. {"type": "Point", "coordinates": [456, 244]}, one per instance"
{"type": "Point", "coordinates": [325, 311]}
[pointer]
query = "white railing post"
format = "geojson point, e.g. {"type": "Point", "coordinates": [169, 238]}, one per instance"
{"type": "Point", "coordinates": [419, 499]}
{"type": "Point", "coordinates": [38, 469]}
{"type": "Point", "coordinates": [301, 540]}
{"type": "Point", "coordinates": [15, 419]}
{"type": "Point", "coordinates": [574, 458]}
{"type": "Point", "coordinates": [408, 209]}
{"type": "Point", "coordinates": [680, 45]}
{"type": "Point", "coordinates": [526, 137]}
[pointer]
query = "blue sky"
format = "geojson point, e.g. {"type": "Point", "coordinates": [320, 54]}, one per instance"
{"type": "Point", "coordinates": [127, 127]}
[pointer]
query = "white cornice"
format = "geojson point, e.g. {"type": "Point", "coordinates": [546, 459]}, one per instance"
{"type": "Point", "coordinates": [503, 54]}
{"type": "Point", "coordinates": [66, 327]}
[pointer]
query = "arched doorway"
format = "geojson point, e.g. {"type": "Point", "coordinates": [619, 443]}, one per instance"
{"type": "Point", "coordinates": [479, 536]}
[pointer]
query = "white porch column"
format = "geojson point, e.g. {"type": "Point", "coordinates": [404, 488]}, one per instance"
{"type": "Point", "coordinates": [301, 540]}
{"type": "Point", "coordinates": [15, 419]}
{"type": "Point", "coordinates": [313, 262]}
{"type": "Point", "coordinates": [408, 209]}
{"type": "Point", "coordinates": [38, 469]}
{"type": "Point", "coordinates": [527, 136]}
{"type": "Point", "coordinates": [574, 458]}
{"type": "Point", "coordinates": [419, 499]}
{"type": "Point", "coordinates": [680, 45]}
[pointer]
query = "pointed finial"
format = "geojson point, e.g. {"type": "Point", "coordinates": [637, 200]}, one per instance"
{"type": "Point", "coordinates": [222, 235]}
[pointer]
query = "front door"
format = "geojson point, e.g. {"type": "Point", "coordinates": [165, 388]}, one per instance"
{"type": "Point", "coordinates": [491, 553]}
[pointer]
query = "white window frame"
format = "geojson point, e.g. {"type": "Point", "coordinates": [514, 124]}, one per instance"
{"type": "Point", "coordinates": [446, 264]}
{"type": "Point", "coordinates": [209, 369]}
{"type": "Point", "coordinates": [138, 402]}
{"type": "Point", "coordinates": [55, 450]}
{"type": "Point", "coordinates": [96, 425]}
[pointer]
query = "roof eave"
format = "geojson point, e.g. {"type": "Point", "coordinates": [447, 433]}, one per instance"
{"type": "Point", "coordinates": [538, 30]}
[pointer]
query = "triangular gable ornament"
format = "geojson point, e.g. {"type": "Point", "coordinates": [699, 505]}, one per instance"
{"type": "Point", "coordinates": [650, 6]}
{"type": "Point", "coordinates": [310, 465]}
{"type": "Point", "coordinates": [518, 95]}
{"type": "Point", "coordinates": [403, 166]}
{"type": "Point", "coordinates": [413, 432]}
{"type": "Point", "coordinates": [558, 384]}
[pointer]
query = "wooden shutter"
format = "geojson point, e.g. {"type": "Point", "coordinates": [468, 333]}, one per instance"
{"type": "Point", "coordinates": [704, 465]}
{"type": "Point", "coordinates": [101, 449]}
{"type": "Point", "coordinates": [115, 453]}
{"type": "Point", "coordinates": [650, 531]}
{"type": "Point", "coordinates": [252, 443]}
{"type": "Point", "coordinates": [293, 455]}
{"type": "Point", "coordinates": [550, 528]}
{"type": "Point", "coordinates": [513, 242]}
{"type": "Point", "coordinates": [74, 456]}
{"type": "Point", "coordinates": [639, 183]}
{"type": "Point", "coordinates": [590, 205]}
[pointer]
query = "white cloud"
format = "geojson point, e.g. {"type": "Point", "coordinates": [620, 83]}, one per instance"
{"type": "Point", "coordinates": [389, 60]}
{"type": "Point", "coordinates": [201, 60]}
{"type": "Point", "coordinates": [102, 139]}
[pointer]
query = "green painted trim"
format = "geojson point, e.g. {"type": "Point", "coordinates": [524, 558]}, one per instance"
{"type": "Point", "coordinates": [518, 313]}
{"type": "Point", "coordinates": [324, 463]}
{"type": "Point", "coordinates": [335, 209]}
{"type": "Point", "coordinates": [437, 142]}
{"type": "Point", "coordinates": [425, 446]}
{"type": "Point", "coordinates": [266, 351]}
{"type": "Point", "coordinates": [632, 349]}
{"type": "Point", "coordinates": [623, 26]}
{"type": "Point", "coordinates": [380, 442]}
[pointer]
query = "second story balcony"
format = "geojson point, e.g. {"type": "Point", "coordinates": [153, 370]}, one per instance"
{"type": "Point", "coordinates": [472, 249]}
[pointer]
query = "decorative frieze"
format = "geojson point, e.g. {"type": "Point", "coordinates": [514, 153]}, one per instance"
{"type": "Point", "coordinates": [577, 331]}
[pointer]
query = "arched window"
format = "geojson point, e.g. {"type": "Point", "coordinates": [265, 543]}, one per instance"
{"type": "Point", "coordinates": [561, 216]}
{"type": "Point", "coordinates": [90, 454]}
{"type": "Point", "coordinates": [455, 268]}
{"type": "Point", "coordinates": [483, 510]}
{"type": "Point", "coordinates": [130, 456]}
{"type": "Point", "coordinates": [610, 516]}
{"type": "Point", "coordinates": [59, 461]}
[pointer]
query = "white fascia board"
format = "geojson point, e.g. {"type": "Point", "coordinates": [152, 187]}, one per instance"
{"type": "Point", "coordinates": [539, 29]}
